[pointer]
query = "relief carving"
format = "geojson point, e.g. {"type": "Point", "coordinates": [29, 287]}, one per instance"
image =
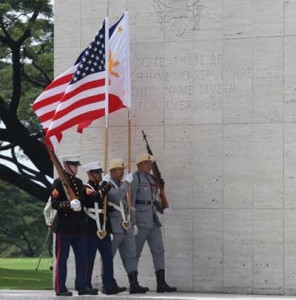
{"type": "Point", "coordinates": [178, 14]}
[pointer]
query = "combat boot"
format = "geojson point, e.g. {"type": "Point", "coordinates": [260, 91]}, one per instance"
{"type": "Point", "coordinates": [135, 288]}
{"type": "Point", "coordinates": [162, 286]}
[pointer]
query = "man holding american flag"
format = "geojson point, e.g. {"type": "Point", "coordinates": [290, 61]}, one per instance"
{"type": "Point", "coordinates": [80, 95]}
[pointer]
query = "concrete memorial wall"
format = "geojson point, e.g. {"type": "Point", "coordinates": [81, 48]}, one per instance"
{"type": "Point", "coordinates": [214, 87]}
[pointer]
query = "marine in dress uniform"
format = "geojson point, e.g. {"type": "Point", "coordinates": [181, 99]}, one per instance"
{"type": "Point", "coordinates": [98, 228]}
{"type": "Point", "coordinates": [145, 200]}
{"type": "Point", "coordinates": [69, 227]}
{"type": "Point", "coordinates": [121, 222]}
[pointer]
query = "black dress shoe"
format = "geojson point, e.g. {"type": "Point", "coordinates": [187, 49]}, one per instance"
{"type": "Point", "coordinates": [65, 293]}
{"type": "Point", "coordinates": [88, 291]}
{"type": "Point", "coordinates": [114, 291]}
{"type": "Point", "coordinates": [121, 289]}
{"type": "Point", "coordinates": [95, 289]}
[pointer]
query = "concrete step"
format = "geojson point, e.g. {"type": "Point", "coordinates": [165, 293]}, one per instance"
{"type": "Point", "coordinates": [50, 295]}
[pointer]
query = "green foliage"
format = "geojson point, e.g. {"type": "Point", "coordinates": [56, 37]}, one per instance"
{"type": "Point", "coordinates": [22, 226]}
{"type": "Point", "coordinates": [15, 11]}
{"type": "Point", "coordinates": [36, 53]}
{"type": "Point", "coordinates": [26, 68]}
{"type": "Point", "coordinates": [20, 273]}
{"type": "Point", "coordinates": [5, 82]}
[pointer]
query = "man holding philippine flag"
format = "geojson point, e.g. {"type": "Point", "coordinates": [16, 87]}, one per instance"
{"type": "Point", "coordinates": [96, 85]}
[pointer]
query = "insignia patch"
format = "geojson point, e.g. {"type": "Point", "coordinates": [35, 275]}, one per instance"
{"type": "Point", "coordinates": [88, 191]}
{"type": "Point", "coordinates": [55, 193]}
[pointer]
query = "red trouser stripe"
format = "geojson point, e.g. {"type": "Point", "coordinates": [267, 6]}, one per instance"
{"type": "Point", "coordinates": [57, 281]}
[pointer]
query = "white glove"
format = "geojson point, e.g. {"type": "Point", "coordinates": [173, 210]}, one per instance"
{"type": "Point", "coordinates": [128, 177]}
{"type": "Point", "coordinates": [75, 204]}
{"type": "Point", "coordinates": [106, 177]}
{"type": "Point", "coordinates": [167, 211]}
{"type": "Point", "coordinates": [136, 230]}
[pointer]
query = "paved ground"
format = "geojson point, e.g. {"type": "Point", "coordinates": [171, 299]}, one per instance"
{"type": "Point", "coordinates": [49, 295]}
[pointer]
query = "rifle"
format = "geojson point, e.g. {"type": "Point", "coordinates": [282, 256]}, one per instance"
{"type": "Point", "coordinates": [158, 178]}
{"type": "Point", "coordinates": [64, 179]}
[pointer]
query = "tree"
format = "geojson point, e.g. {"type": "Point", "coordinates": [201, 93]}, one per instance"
{"type": "Point", "coordinates": [26, 67]}
{"type": "Point", "coordinates": [21, 219]}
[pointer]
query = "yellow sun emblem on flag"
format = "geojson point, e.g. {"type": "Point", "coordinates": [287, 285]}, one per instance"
{"type": "Point", "coordinates": [113, 63]}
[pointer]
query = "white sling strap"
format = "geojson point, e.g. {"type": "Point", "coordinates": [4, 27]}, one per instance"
{"type": "Point", "coordinates": [125, 217]}
{"type": "Point", "coordinates": [94, 213]}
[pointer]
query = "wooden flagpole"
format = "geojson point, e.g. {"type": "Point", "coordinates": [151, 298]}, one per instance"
{"type": "Point", "coordinates": [129, 200]}
{"type": "Point", "coordinates": [129, 167]}
{"type": "Point", "coordinates": [107, 93]}
{"type": "Point", "coordinates": [106, 140]}
{"type": "Point", "coordinates": [106, 135]}
{"type": "Point", "coordinates": [129, 121]}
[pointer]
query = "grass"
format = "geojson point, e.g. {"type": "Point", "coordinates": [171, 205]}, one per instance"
{"type": "Point", "coordinates": [21, 274]}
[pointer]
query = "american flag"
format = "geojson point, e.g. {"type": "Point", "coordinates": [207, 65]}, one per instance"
{"type": "Point", "coordinates": [84, 98]}
{"type": "Point", "coordinates": [47, 102]}
{"type": "Point", "coordinates": [78, 96]}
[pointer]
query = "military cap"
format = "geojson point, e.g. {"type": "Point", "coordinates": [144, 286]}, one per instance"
{"type": "Point", "coordinates": [144, 157]}
{"type": "Point", "coordinates": [116, 163]}
{"type": "Point", "coordinates": [72, 159]}
{"type": "Point", "coordinates": [95, 166]}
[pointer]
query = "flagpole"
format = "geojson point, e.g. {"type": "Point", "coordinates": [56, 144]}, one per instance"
{"type": "Point", "coordinates": [106, 136]}
{"type": "Point", "coordinates": [129, 198]}
{"type": "Point", "coordinates": [129, 142]}
{"type": "Point", "coordinates": [129, 122]}
{"type": "Point", "coordinates": [129, 97]}
{"type": "Point", "coordinates": [107, 93]}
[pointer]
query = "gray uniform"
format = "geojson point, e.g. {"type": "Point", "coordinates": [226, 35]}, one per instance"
{"type": "Point", "coordinates": [144, 199]}
{"type": "Point", "coordinates": [123, 240]}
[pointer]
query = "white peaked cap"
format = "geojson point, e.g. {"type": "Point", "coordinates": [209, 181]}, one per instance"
{"type": "Point", "coordinates": [96, 165]}
{"type": "Point", "coordinates": [73, 158]}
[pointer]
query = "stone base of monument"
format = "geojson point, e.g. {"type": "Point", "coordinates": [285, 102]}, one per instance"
{"type": "Point", "coordinates": [50, 295]}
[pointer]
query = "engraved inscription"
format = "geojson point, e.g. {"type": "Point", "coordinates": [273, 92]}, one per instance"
{"type": "Point", "coordinates": [148, 90]}
{"type": "Point", "coordinates": [194, 105]}
{"type": "Point", "coordinates": [187, 82]}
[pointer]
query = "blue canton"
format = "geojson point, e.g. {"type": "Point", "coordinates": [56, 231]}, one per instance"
{"type": "Point", "coordinates": [93, 58]}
